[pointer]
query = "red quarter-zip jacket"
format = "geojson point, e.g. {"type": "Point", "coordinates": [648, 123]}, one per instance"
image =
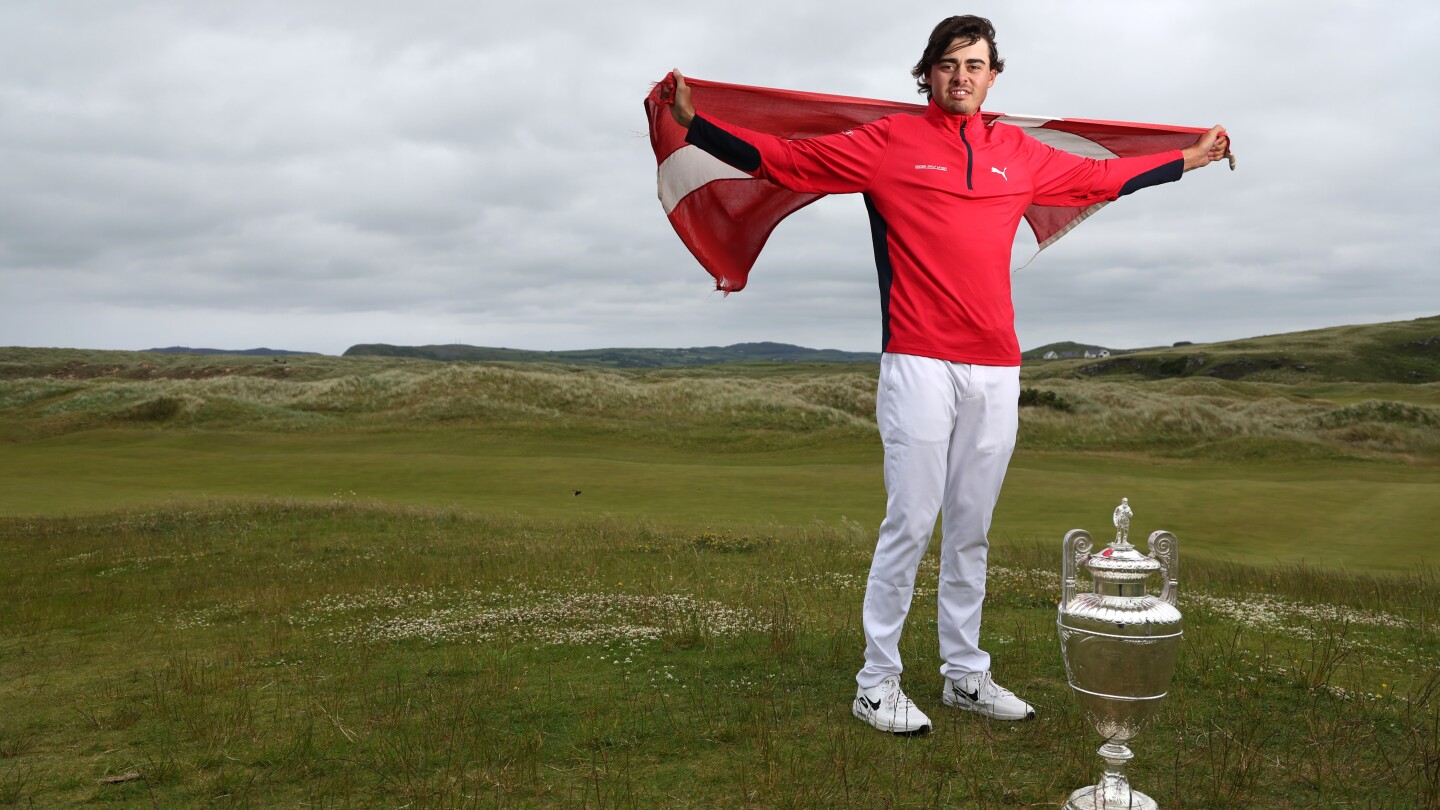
{"type": "Point", "coordinates": [945, 195]}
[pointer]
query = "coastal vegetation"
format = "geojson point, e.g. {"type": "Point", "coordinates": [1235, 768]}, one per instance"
{"type": "Point", "coordinates": [389, 581]}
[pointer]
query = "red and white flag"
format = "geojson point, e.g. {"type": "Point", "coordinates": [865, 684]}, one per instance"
{"type": "Point", "coordinates": [724, 216]}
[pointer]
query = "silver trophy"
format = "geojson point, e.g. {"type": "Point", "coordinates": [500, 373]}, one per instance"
{"type": "Point", "coordinates": [1119, 645]}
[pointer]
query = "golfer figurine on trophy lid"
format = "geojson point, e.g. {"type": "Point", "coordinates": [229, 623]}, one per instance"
{"type": "Point", "coordinates": [1119, 646]}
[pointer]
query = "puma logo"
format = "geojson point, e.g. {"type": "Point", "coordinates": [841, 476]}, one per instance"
{"type": "Point", "coordinates": [1001, 172]}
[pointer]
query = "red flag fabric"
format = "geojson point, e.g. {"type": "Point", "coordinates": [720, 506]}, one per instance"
{"type": "Point", "coordinates": [724, 216]}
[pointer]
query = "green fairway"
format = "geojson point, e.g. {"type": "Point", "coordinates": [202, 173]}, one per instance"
{"type": "Point", "coordinates": [1342, 514]}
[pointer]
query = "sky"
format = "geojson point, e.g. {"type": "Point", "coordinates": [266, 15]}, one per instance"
{"type": "Point", "coordinates": [314, 175]}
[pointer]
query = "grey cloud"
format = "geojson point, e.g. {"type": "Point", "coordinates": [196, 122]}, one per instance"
{"type": "Point", "coordinates": [331, 173]}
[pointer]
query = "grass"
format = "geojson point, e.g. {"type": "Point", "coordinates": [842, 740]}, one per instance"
{"type": "Point", "coordinates": [351, 654]}
{"type": "Point", "coordinates": [1405, 352]}
{"type": "Point", "coordinates": [370, 582]}
{"type": "Point", "coordinates": [1257, 471]}
{"type": "Point", "coordinates": [1338, 514]}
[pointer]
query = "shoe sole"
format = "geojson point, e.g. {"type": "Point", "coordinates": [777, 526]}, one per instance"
{"type": "Point", "coordinates": [862, 716]}
{"type": "Point", "coordinates": [957, 703]}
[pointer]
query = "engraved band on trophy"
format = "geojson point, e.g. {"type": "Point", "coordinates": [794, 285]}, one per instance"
{"type": "Point", "coordinates": [1119, 646]}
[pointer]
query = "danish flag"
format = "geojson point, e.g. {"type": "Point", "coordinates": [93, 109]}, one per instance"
{"type": "Point", "coordinates": [724, 216]}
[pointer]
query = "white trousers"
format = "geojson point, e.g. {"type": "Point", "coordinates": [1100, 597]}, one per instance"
{"type": "Point", "coordinates": [949, 430]}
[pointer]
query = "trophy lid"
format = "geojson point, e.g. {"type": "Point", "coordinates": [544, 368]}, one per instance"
{"type": "Point", "coordinates": [1120, 561]}
{"type": "Point", "coordinates": [1124, 563]}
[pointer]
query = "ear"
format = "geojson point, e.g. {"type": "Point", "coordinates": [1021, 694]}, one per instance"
{"type": "Point", "coordinates": [991, 83]}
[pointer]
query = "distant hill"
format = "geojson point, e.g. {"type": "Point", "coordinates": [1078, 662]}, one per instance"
{"type": "Point", "coordinates": [1066, 350]}
{"type": "Point", "coordinates": [251, 352]}
{"type": "Point", "coordinates": [623, 358]}
{"type": "Point", "coordinates": [1406, 352]}
{"type": "Point", "coordinates": [1398, 352]}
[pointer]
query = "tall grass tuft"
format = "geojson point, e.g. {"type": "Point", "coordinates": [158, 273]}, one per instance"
{"type": "Point", "coordinates": [1184, 416]}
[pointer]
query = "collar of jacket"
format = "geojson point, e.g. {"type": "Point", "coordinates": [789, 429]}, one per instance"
{"type": "Point", "coordinates": [950, 122]}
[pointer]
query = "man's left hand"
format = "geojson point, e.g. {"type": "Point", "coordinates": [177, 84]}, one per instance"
{"type": "Point", "coordinates": [1211, 146]}
{"type": "Point", "coordinates": [682, 109]}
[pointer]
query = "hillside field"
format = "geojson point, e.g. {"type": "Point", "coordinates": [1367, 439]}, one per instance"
{"type": "Point", "coordinates": [378, 581]}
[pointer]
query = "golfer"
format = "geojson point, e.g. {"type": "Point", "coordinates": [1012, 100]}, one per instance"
{"type": "Point", "coordinates": [945, 194]}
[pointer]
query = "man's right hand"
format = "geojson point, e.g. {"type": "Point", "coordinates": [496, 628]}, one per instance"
{"type": "Point", "coordinates": [682, 109]}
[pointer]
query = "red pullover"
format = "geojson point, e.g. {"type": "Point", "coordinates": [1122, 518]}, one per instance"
{"type": "Point", "coordinates": [945, 195]}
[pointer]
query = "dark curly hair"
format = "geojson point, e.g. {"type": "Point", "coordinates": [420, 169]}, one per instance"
{"type": "Point", "coordinates": [969, 29]}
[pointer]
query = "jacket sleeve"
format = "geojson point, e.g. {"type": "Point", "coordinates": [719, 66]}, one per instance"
{"type": "Point", "coordinates": [841, 163]}
{"type": "Point", "coordinates": [1062, 178]}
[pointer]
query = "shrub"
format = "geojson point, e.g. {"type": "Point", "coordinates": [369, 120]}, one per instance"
{"type": "Point", "coordinates": [1034, 397]}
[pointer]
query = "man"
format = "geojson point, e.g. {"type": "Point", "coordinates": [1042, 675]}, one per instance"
{"type": "Point", "coordinates": [945, 194]}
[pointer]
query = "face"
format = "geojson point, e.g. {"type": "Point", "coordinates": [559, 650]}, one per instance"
{"type": "Point", "coordinates": [959, 81]}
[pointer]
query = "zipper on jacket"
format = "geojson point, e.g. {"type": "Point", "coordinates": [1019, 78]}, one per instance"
{"type": "Point", "coordinates": [969, 156]}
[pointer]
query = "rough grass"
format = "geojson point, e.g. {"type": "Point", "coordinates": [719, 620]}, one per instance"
{"type": "Point", "coordinates": [420, 393]}
{"type": "Point", "coordinates": [751, 407]}
{"type": "Point", "coordinates": [273, 653]}
{"type": "Point", "coordinates": [1222, 419]}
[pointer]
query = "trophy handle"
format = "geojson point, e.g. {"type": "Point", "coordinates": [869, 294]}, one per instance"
{"type": "Point", "coordinates": [1164, 548]}
{"type": "Point", "coordinates": [1075, 550]}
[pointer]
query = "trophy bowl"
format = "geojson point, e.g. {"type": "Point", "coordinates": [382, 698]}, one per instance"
{"type": "Point", "coordinates": [1119, 644]}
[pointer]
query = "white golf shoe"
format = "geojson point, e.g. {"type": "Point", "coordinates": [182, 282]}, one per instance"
{"type": "Point", "coordinates": [886, 708]}
{"type": "Point", "coordinates": [978, 692]}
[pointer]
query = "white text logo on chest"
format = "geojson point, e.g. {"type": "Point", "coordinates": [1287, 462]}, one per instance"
{"type": "Point", "coordinates": [932, 167]}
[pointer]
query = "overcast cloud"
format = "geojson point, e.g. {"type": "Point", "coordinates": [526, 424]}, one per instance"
{"type": "Point", "coordinates": [315, 175]}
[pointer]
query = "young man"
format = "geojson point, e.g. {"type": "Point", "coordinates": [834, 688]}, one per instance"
{"type": "Point", "coordinates": [945, 195]}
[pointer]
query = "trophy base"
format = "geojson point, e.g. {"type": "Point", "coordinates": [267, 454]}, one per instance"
{"type": "Point", "coordinates": [1090, 797]}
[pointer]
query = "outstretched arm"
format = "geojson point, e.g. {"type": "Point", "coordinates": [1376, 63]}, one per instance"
{"type": "Point", "coordinates": [1210, 147]}
{"type": "Point", "coordinates": [838, 163]}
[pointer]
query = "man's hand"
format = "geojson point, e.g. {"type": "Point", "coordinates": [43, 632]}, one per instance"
{"type": "Point", "coordinates": [1211, 146]}
{"type": "Point", "coordinates": [682, 109]}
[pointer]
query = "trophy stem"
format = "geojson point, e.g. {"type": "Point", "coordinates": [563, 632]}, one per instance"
{"type": "Point", "coordinates": [1113, 791]}
{"type": "Point", "coordinates": [1114, 787]}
